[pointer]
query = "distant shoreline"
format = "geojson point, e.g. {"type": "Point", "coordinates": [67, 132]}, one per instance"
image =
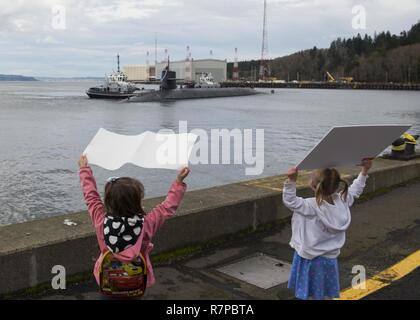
{"type": "Point", "coordinates": [69, 79]}
{"type": "Point", "coordinates": [13, 77]}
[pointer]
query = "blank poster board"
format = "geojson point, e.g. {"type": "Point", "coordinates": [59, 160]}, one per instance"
{"type": "Point", "coordinates": [345, 146]}
{"type": "Point", "coordinates": [148, 150]}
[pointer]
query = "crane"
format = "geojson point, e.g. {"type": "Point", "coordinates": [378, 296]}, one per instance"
{"type": "Point", "coordinates": [339, 80]}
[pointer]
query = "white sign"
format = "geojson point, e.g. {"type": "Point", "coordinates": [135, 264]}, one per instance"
{"type": "Point", "coordinates": [148, 150]}
{"type": "Point", "coordinates": [345, 146]}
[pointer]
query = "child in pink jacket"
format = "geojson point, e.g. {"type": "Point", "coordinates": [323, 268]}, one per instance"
{"type": "Point", "coordinates": [121, 225]}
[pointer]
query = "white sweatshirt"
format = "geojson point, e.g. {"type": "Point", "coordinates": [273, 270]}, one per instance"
{"type": "Point", "coordinates": [320, 230]}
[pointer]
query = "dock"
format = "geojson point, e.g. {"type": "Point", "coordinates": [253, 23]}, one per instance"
{"type": "Point", "coordinates": [322, 85]}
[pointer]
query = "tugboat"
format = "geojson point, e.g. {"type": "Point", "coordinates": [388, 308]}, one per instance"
{"type": "Point", "coordinates": [115, 86]}
{"type": "Point", "coordinates": [206, 80]}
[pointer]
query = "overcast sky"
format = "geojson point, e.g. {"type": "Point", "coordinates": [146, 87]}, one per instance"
{"type": "Point", "coordinates": [32, 41]}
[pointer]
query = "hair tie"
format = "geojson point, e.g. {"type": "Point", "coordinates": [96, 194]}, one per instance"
{"type": "Point", "coordinates": [112, 179]}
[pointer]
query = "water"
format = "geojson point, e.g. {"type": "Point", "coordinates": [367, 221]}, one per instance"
{"type": "Point", "coordinates": [44, 126]}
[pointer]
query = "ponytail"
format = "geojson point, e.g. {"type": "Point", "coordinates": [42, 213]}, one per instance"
{"type": "Point", "coordinates": [318, 194]}
{"type": "Point", "coordinates": [323, 189]}
{"type": "Point", "coordinates": [345, 191]}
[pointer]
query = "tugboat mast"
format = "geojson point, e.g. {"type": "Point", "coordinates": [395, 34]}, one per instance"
{"type": "Point", "coordinates": [118, 62]}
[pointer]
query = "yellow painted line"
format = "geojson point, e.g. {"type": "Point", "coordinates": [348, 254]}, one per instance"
{"type": "Point", "coordinates": [384, 278]}
{"type": "Point", "coordinates": [263, 184]}
{"type": "Point", "coordinates": [268, 187]}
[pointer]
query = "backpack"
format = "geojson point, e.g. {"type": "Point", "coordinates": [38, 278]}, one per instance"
{"type": "Point", "coordinates": [123, 280]}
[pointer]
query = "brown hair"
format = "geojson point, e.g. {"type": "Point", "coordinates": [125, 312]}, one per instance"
{"type": "Point", "coordinates": [329, 183]}
{"type": "Point", "coordinates": [123, 197]}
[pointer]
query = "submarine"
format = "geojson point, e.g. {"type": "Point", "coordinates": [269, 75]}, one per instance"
{"type": "Point", "coordinates": [169, 91]}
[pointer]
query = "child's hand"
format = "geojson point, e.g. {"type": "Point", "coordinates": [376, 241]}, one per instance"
{"type": "Point", "coordinates": [183, 173]}
{"type": "Point", "coordinates": [292, 174]}
{"type": "Point", "coordinates": [83, 161]}
{"type": "Point", "coordinates": [366, 165]}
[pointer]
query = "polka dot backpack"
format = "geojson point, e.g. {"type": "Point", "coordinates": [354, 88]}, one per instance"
{"type": "Point", "coordinates": [123, 280]}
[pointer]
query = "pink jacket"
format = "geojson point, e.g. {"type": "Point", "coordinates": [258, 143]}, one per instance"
{"type": "Point", "coordinates": [152, 222]}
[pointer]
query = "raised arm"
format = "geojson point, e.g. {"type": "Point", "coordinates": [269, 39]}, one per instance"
{"type": "Point", "coordinates": [290, 200]}
{"type": "Point", "coordinates": [359, 184]}
{"type": "Point", "coordinates": [155, 219]}
{"type": "Point", "coordinates": [90, 193]}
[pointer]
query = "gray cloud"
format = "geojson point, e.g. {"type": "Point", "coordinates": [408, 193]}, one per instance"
{"type": "Point", "coordinates": [97, 30]}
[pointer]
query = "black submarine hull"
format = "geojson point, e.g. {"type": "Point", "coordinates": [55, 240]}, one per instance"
{"type": "Point", "coordinates": [191, 93]}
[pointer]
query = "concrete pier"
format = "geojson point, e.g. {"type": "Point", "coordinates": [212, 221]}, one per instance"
{"type": "Point", "coordinates": [28, 251]}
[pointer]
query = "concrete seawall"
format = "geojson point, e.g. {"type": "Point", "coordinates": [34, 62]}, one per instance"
{"type": "Point", "coordinates": [28, 251]}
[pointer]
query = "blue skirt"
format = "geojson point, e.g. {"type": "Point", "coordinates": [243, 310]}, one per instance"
{"type": "Point", "coordinates": [317, 279]}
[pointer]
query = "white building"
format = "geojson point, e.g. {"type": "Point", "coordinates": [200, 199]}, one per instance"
{"type": "Point", "coordinates": [137, 72]}
{"type": "Point", "coordinates": [192, 70]}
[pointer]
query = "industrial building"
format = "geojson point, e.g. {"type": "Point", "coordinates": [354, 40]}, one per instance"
{"type": "Point", "coordinates": [191, 70]}
{"type": "Point", "coordinates": [139, 73]}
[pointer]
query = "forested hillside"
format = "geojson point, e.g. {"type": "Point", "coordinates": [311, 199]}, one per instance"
{"type": "Point", "coordinates": [381, 58]}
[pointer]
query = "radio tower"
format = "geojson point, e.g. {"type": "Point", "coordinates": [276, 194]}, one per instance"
{"type": "Point", "coordinates": [264, 68]}
{"type": "Point", "coordinates": [235, 75]}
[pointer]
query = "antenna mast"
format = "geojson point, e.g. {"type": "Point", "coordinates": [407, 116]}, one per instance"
{"type": "Point", "coordinates": [264, 68]}
{"type": "Point", "coordinates": [118, 62]}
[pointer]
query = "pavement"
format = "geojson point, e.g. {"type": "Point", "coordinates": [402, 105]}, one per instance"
{"type": "Point", "coordinates": [384, 231]}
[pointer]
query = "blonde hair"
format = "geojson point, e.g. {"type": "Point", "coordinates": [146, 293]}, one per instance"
{"type": "Point", "coordinates": [329, 183]}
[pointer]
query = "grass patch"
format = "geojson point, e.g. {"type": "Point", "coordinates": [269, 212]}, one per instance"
{"type": "Point", "coordinates": [193, 250]}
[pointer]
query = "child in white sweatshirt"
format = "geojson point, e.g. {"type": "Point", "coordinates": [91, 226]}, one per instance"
{"type": "Point", "coordinates": [319, 227]}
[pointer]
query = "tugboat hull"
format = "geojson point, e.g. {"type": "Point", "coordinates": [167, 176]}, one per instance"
{"type": "Point", "coordinates": [114, 96]}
